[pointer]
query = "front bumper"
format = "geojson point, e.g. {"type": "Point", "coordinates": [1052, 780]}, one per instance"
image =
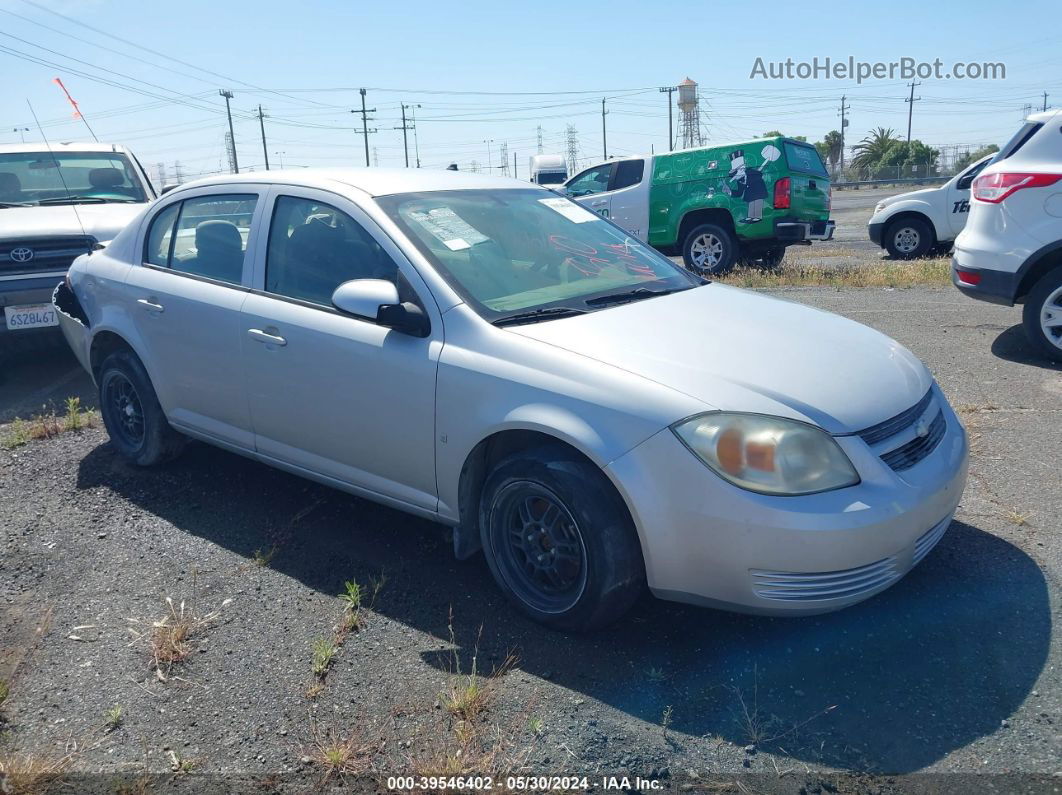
{"type": "Point", "coordinates": [707, 542]}
{"type": "Point", "coordinates": [29, 289]}
{"type": "Point", "coordinates": [876, 233]}
{"type": "Point", "coordinates": [796, 231]}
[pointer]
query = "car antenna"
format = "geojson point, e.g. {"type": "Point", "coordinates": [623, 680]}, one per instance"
{"type": "Point", "coordinates": [59, 170]}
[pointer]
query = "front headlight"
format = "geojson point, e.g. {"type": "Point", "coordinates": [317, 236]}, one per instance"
{"type": "Point", "coordinates": [879, 207]}
{"type": "Point", "coordinates": [769, 455]}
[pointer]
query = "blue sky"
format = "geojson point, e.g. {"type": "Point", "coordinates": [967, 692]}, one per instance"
{"type": "Point", "coordinates": [496, 71]}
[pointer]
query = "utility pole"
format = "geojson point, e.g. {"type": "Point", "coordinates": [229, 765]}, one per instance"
{"type": "Point", "coordinates": [539, 131]}
{"type": "Point", "coordinates": [404, 128]}
{"type": "Point", "coordinates": [416, 140]}
{"type": "Point", "coordinates": [365, 123]}
{"type": "Point", "coordinates": [514, 166]}
{"type": "Point", "coordinates": [23, 130]}
{"type": "Point", "coordinates": [669, 90]}
{"type": "Point", "coordinates": [604, 140]}
{"type": "Point", "coordinates": [911, 100]}
{"type": "Point", "coordinates": [488, 142]}
{"type": "Point", "coordinates": [228, 112]}
{"type": "Point", "coordinates": [1045, 100]}
{"type": "Point", "coordinates": [503, 156]}
{"type": "Point", "coordinates": [281, 156]}
{"type": "Point", "coordinates": [844, 123]}
{"type": "Point", "coordinates": [261, 123]}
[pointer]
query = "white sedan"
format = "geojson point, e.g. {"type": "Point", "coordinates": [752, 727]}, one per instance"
{"type": "Point", "coordinates": [493, 356]}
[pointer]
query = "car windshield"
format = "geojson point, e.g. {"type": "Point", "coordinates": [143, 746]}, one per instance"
{"type": "Point", "coordinates": [41, 178]}
{"type": "Point", "coordinates": [510, 252]}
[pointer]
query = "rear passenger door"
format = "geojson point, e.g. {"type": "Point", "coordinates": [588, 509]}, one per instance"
{"type": "Point", "coordinates": [185, 301]}
{"type": "Point", "coordinates": [331, 393]}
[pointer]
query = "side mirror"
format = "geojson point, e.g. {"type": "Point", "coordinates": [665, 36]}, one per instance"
{"type": "Point", "coordinates": [166, 189]}
{"type": "Point", "coordinates": [377, 299]}
{"type": "Point", "coordinates": [965, 182]}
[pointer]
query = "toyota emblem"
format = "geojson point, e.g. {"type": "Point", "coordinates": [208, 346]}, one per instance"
{"type": "Point", "coordinates": [22, 254]}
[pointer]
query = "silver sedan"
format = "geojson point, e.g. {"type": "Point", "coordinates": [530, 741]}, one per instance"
{"type": "Point", "coordinates": [495, 357]}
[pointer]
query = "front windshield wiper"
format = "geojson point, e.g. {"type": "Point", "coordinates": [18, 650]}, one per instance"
{"type": "Point", "coordinates": [96, 199]}
{"type": "Point", "coordinates": [636, 294]}
{"type": "Point", "coordinates": [549, 313]}
{"type": "Point", "coordinates": [17, 204]}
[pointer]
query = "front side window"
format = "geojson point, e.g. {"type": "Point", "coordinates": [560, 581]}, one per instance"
{"type": "Point", "coordinates": [313, 248]}
{"type": "Point", "coordinates": [593, 180]}
{"type": "Point", "coordinates": [40, 178]}
{"type": "Point", "coordinates": [205, 236]}
{"type": "Point", "coordinates": [513, 251]}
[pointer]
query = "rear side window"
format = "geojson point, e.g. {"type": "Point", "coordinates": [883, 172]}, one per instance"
{"type": "Point", "coordinates": [205, 236]}
{"type": "Point", "coordinates": [628, 172]}
{"type": "Point", "coordinates": [804, 159]}
{"type": "Point", "coordinates": [1018, 140]}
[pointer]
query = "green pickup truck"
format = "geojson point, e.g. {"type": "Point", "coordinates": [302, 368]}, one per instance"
{"type": "Point", "coordinates": [717, 205]}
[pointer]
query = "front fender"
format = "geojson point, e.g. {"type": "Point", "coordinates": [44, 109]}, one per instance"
{"type": "Point", "coordinates": [918, 206]}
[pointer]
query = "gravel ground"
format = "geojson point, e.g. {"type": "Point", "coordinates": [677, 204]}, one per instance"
{"type": "Point", "coordinates": [955, 670]}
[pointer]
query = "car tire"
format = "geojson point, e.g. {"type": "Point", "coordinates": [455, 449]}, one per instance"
{"type": "Point", "coordinates": [1042, 315]}
{"type": "Point", "coordinates": [131, 412]}
{"type": "Point", "coordinates": [559, 541]}
{"type": "Point", "coordinates": [709, 250]}
{"type": "Point", "coordinates": [772, 257]}
{"type": "Point", "coordinates": [909, 238]}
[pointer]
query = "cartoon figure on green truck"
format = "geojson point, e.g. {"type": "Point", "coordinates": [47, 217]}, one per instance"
{"type": "Point", "coordinates": [716, 205]}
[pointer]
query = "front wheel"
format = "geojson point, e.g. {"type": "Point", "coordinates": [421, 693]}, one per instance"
{"type": "Point", "coordinates": [559, 541]}
{"type": "Point", "coordinates": [131, 412]}
{"type": "Point", "coordinates": [1042, 315]}
{"type": "Point", "coordinates": [909, 238]}
{"type": "Point", "coordinates": [709, 250]}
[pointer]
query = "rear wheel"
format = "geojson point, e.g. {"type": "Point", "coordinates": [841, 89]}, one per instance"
{"type": "Point", "coordinates": [132, 414]}
{"type": "Point", "coordinates": [1042, 315]}
{"type": "Point", "coordinates": [558, 540]}
{"type": "Point", "coordinates": [909, 238]}
{"type": "Point", "coordinates": [709, 250]}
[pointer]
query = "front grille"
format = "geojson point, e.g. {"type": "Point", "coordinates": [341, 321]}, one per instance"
{"type": "Point", "coordinates": [907, 455]}
{"type": "Point", "coordinates": [897, 424]}
{"type": "Point", "coordinates": [48, 253]}
{"type": "Point", "coordinates": [784, 586]}
{"type": "Point", "coordinates": [930, 539]}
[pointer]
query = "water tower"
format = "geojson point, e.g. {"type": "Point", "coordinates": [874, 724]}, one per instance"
{"type": "Point", "coordinates": [690, 123]}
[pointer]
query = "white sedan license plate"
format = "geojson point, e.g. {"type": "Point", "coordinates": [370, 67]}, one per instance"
{"type": "Point", "coordinates": [30, 316]}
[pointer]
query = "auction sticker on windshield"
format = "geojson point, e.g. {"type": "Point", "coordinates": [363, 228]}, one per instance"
{"type": "Point", "coordinates": [29, 316]}
{"type": "Point", "coordinates": [454, 232]}
{"type": "Point", "coordinates": [570, 210]}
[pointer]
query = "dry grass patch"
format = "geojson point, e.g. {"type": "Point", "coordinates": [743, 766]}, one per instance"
{"type": "Point", "coordinates": [797, 271]}
{"type": "Point", "coordinates": [48, 424]}
{"type": "Point", "coordinates": [27, 774]}
{"type": "Point", "coordinates": [339, 755]}
{"type": "Point", "coordinates": [171, 639]}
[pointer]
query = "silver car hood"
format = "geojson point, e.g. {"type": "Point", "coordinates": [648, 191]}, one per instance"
{"type": "Point", "coordinates": [736, 350]}
{"type": "Point", "coordinates": [102, 221]}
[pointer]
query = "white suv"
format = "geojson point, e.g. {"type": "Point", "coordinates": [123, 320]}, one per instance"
{"type": "Point", "coordinates": [1011, 249]}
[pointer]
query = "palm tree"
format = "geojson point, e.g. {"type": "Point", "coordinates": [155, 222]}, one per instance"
{"type": "Point", "coordinates": [871, 150]}
{"type": "Point", "coordinates": [833, 141]}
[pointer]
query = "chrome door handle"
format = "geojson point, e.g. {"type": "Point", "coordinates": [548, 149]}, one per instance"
{"type": "Point", "coordinates": [262, 336]}
{"type": "Point", "coordinates": [150, 305]}
{"type": "Point", "coordinates": [599, 202]}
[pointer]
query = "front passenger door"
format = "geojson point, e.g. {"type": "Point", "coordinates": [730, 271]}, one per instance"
{"type": "Point", "coordinates": [330, 393]}
{"type": "Point", "coordinates": [588, 186]}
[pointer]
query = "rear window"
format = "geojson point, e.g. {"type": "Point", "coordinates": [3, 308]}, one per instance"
{"type": "Point", "coordinates": [805, 159]}
{"type": "Point", "coordinates": [1018, 140]}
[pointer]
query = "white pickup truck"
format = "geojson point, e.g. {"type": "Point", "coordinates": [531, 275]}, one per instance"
{"type": "Point", "coordinates": [57, 202]}
{"type": "Point", "coordinates": [911, 224]}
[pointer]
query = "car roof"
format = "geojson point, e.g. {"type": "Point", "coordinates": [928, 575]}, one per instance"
{"type": "Point", "coordinates": [373, 181]}
{"type": "Point", "coordinates": [1042, 116]}
{"type": "Point", "coordinates": [62, 146]}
